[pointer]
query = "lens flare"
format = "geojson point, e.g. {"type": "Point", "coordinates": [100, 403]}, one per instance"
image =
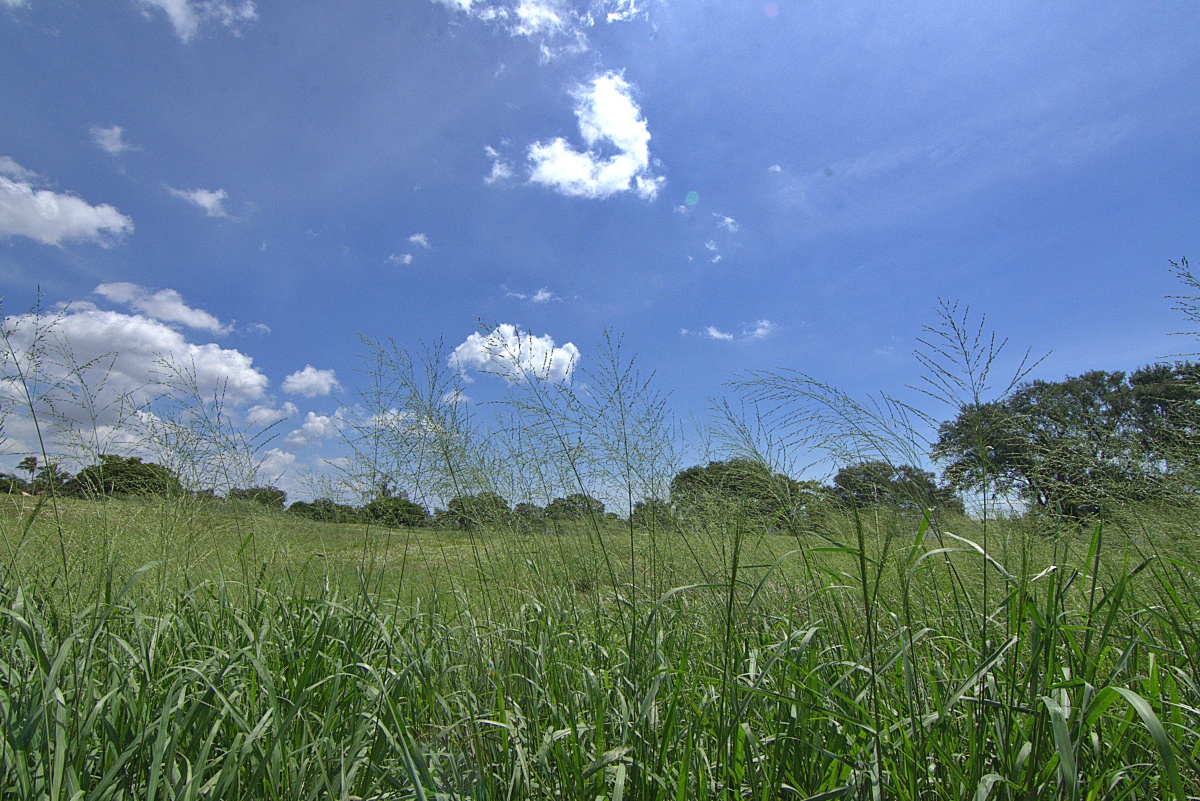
{"type": "Point", "coordinates": [692, 198]}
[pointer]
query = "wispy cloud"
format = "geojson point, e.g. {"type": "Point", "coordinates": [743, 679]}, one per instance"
{"type": "Point", "coordinates": [212, 201]}
{"type": "Point", "coordinates": [501, 169]}
{"type": "Point", "coordinates": [543, 295]}
{"type": "Point", "coordinates": [728, 223]}
{"type": "Point", "coordinates": [187, 16]}
{"type": "Point", "coordinates": [111, 139]}
{"type": "Point", "coordinates": [758, 330]}
{"type": "Point", "coordinates": [608, 118]}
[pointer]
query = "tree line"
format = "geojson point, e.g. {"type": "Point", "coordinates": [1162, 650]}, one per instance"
{"type": "Point", "coordinates": [1061, 446]}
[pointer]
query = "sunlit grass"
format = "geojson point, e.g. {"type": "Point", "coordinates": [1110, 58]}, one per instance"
{"type": "Point", "coordinates": [209, 651]}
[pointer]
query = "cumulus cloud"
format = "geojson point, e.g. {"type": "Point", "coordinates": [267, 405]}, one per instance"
{"type": "Point", "coordinates": [316, 427]}
{"type": "Point", "coordinates": [166, 305]}
{"type": "Point", "coordinates": [609, 119]}
{"type": "Point", "coordinates": [211, 200]}
{"type": "Point", "coordinates": [275, 464]}
{"type": "Point", "coordinates": [404, 258]}
{"type": "Point", "coordinates": [516, 355]}
{"type": "Point", "coordinates": [130, 355]}
{"type": "Point", "coordinates": [186, 16]}
{"type": "Point", "coordinates": [421, 240]}
{"type": "Point", "coordinates": [53, 217]}
{"type": "Point", "coordinates": [266, 415]}
{"type": "Point", "coordinates": [311, 382]}
{"type": "Point", "coordinates": [111, 139]}
{"type": "Point", "coordinates": [774, 168]}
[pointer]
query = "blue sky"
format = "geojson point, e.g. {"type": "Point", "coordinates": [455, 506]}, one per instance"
{"type": "Point", "coordinates": [729, 185]}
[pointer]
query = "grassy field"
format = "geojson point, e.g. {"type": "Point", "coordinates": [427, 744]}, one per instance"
{"type": "Point", "coordinates": [210, 650]}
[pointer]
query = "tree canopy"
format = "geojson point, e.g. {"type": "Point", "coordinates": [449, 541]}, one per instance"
{"type": "Point", "coordinates": [1067, 444]}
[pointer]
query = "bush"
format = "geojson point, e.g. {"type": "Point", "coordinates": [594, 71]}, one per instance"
{"type": "Point", "coordinates": [271, 497]}
{"type": "Point", "coordinates": [326, 511]}
{"type": "Point", "coordinates": [124, 476]}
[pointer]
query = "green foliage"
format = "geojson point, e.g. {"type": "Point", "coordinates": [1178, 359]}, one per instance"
{"type": "Point", "coordinates": [270, 497]}
{"type": "Point", "coordinates": [576, 506]}
{"type": "Point", "coordinates": [395, 511]}
{"type": "Point", "coordinates": [652, 514]}
{"type": "Point", "coordinates": [747, 488]}
{"type": "Point", "coordinates": [475, 511]}
{"type": "Point", "coordinates": [325, 510]}
{"type": "Point", "coordinates": [1069, 444]}
{"type": "Point", "coordinates": [877, 483]}
{"type": "Point", "coordinates": [13, 485]}
{"type": "Point", "coordinates": [124, 476]}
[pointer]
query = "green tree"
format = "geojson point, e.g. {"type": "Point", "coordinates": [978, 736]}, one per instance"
{"type": "Point", "coordinates": [125, 476]}
{"type": "Point", "coordinates": [51, 478]}
{"type": "Point", "coordinates": [270, 497]}
{"type": "Point", "coordinates": [474, 511]}
{"type": "Point", "coordinates": [1069, 444]}
{"type": "Point", "coordinates": [878, 483]}
{"type": "Point", "coordinates": [576, 506]}
{"type": "Point", "coordinates": [652, 513]}
{"type": "Point", "coordinates": [325, 510]}
{"type": "Point", "coordinates": [395, 511]}
{"type": "Point", "coordinates": [747, 488]}
{"type": "Point", "coordinates": [30, 465]}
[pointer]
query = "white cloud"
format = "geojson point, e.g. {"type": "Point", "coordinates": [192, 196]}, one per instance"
{"type": "Point", "coordinates": [516, 355]}
{"type": "Point", "coordinates": [111, 139]}
{"type": "Point", "coordinates": [774, 168]}
{"type": "Point", "coordinates": [683, 209]}
{"type": "Point", "coordinates": [420, 239]}
{"type": "Point", "coordinates": [607, 116]}
{"type": "Point", "coordinates": [559, 25]}
{"type": "Point", "coordinates": [712, 332]}
{"type": "Point", "coordinates": [501, 169]}
{"type": "Point", "coordinates": [316, 427]}
{"type": "Point", "coordinates": [761, 329]}
{"type": "Point", "coordinates": [728, 223]}
{"type": "Point", "coordinates": [274, 464]}
{"type": "Point", "coordinates": [166, 305]}
{"type": "Point", "coordinates": [711, 245]}
{"type": "Point", "coordinates": [266, 415]}
{"type": "Point", "coordinates": [187, 16]}
{"type": "Point", "coordinates": [130, 355]}
{"type": "Point", "coordinates": [716, 258]}
{"type": "Point", "coordinates": [311, 382]}
{"type": "Point", "coordinates": [15, 3]}
{"type": "Point", "coordinates": [406, 258]}
{"type": "Point", "coordinates": [13, 170]}
{"type": "Point", "coordinates": [259, 328]}
{"type": "Point", "coordinates": [211, 200]}
{"type": "Point", "coordinates": [53, 217]}
{"type": "Point", "coordinates": [543, 295]}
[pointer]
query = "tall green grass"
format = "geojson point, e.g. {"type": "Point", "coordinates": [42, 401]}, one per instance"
{"type": "Point", "coordinates": [778, 667]}
{"type": "Point", "coordinates": [191, 648]}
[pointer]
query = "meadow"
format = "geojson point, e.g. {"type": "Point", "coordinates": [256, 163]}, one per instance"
{"type": "Point", "coordinates": [736, 634]}
{"type": "Point", "coordinates": [197, 648]}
